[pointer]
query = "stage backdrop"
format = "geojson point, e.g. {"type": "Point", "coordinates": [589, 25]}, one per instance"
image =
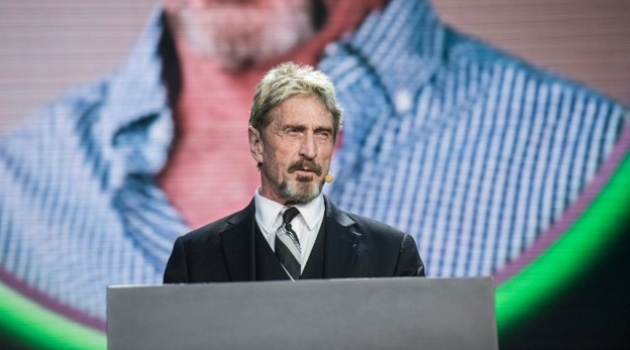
{"type": "Point", "coordinates": [495, 132]}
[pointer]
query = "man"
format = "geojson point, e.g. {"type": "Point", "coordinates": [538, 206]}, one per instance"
{"type": "Point", "coordinates": [472, 152]}
{"type": "Point", "coordinates": [293, 127]}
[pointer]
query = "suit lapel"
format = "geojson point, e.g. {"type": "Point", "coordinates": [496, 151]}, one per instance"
{"type": "Point", "coordinates": [267, 265]}
{"type": "Point", "coordinates": [238, 245]}
{"type": "Point", "coordinates": [341, 243]}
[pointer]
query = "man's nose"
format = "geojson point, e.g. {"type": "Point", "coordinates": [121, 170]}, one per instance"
{"type": "Point", "coordinates": [308, 148]}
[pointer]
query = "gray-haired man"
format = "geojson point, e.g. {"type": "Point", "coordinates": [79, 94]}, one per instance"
{"type": "Point", "coordinates": [290, 230]}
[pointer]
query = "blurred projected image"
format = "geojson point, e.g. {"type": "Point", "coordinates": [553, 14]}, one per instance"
{"type": "Point", "coordinates": [474, 152]}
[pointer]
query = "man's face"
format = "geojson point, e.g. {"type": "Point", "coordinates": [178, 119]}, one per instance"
{"type": "Point", "coordinates": [295, 150]}
{"type": "Point", "coordinates": [238, 33]}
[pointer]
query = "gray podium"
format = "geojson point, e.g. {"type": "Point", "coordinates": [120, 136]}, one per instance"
{"type": "Point", "coordinates": [391, 313]}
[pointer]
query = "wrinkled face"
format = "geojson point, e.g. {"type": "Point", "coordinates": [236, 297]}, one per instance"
{"type": "Point", "coordinates": [238, 33]}
{"type": "Point", "coordinates": [295, 150]}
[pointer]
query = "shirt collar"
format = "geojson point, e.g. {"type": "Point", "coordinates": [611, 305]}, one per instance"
{"type": "Point", "coordinates": [269, 213]}
{"type": "Point", "coordinates": [407, 31]}
{"type": "Point", "coordinates": [136, 128]}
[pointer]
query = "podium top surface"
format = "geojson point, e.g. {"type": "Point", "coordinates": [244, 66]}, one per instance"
{"type": "Point", "coordinates": [383, 313]}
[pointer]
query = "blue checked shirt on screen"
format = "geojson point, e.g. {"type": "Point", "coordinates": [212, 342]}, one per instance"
{"type": "Point", "coordinates": [471, 151]}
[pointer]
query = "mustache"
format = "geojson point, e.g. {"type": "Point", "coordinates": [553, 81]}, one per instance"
{"type": "Point", "coordinates": [306, 164]}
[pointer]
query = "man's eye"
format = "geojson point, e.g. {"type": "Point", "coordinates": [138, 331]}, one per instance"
{"type": "Point", "coordinates": [325, 135]}
{"type": "Point", "coordinates": [293, 131]}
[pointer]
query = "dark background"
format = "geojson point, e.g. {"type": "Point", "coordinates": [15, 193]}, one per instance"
{"type": "Point", "coordinates": [593, 313]}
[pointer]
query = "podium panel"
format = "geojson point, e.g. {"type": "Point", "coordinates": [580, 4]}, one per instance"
{"type": "Point", "coordinates": [384, 313]}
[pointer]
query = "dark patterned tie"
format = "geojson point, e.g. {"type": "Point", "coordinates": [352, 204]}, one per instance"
{"type": "Point", "coordinates": [288, 248]}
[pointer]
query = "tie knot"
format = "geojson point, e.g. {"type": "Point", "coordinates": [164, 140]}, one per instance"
{"type": "Point", "coordinates": [289, 215]}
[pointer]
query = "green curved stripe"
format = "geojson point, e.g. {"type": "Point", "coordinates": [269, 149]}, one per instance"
{"type": "Point", "coordinates": [42, 328]}
{"type": "Point", "coordinates": [524, 294]}
{"type": "Point", "coordinates": [517, 298]}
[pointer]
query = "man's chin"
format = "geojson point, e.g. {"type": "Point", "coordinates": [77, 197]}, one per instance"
{"type": "Point", "coordinates": [302, 191]}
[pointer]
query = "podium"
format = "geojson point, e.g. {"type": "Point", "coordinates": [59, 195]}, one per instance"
{"type": "Point", "coordinates": [382, 313]}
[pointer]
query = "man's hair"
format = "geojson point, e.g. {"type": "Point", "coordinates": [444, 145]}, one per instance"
{"type": "Point", "coordinates": [287, 80]}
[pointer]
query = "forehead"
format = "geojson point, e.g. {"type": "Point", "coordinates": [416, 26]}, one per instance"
{"type": "Point", "coordinates": [302, 110]}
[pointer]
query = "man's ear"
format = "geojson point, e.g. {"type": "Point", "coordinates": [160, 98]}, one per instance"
{"type": "Point", "coordinates": [255, 144]}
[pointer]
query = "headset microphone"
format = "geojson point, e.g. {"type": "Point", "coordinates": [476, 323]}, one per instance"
{"type": "Point", "coordinates": [329, 178]}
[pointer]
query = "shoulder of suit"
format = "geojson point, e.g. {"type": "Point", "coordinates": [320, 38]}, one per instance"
{"type": "Point", "coordinates": [363, 224]}
{"type": "Point", "coordinates": [214, 229]}
{"type": "Point", "coordinates": [374, 227]}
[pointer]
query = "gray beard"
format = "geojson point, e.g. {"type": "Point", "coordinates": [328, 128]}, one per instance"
{"type": "Point", "coordinates": [302, 192]}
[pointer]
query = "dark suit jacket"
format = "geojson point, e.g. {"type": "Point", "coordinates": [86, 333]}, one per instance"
{"type": "Point", "coordinates": [354, 247]}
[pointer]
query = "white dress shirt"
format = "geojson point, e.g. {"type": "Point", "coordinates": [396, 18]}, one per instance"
{"type": "Point", "coordinates": [306, 224]}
